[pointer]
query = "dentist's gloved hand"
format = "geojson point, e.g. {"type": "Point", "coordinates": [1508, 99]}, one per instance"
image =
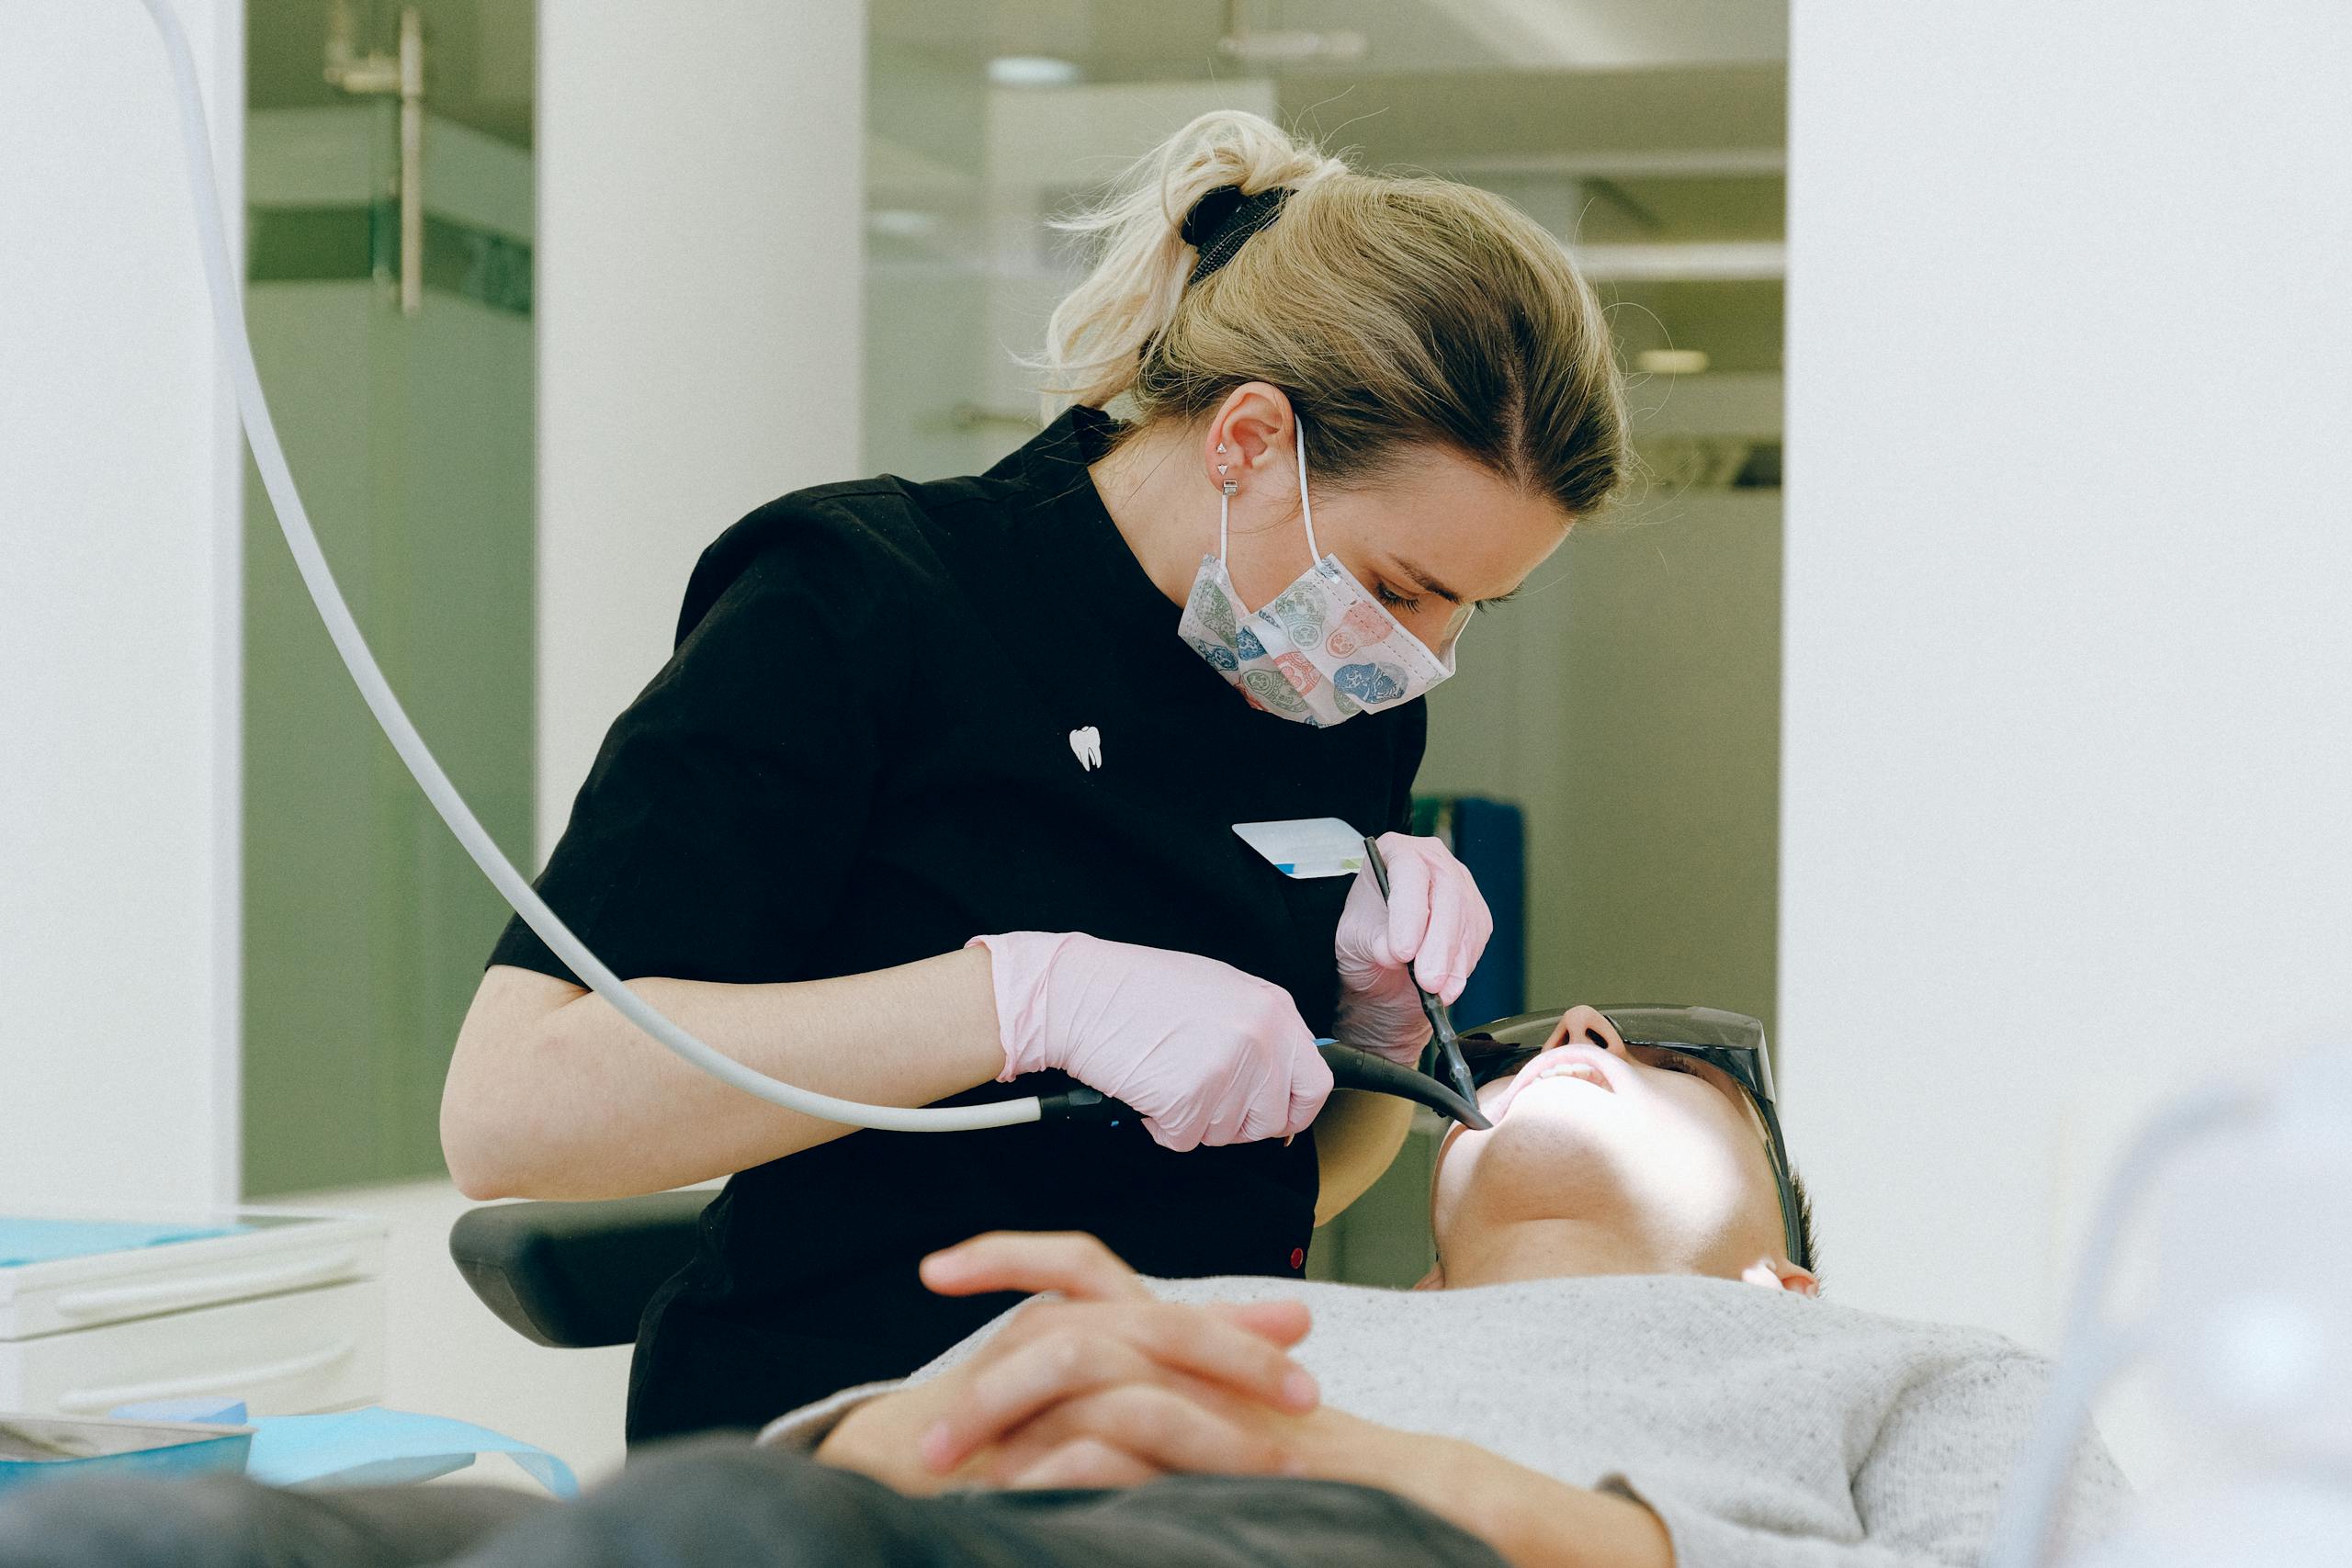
{"type": "Point", "coordinates": [1434, 924]}
{"type": "Point", "coordinates": [1204, 1053]}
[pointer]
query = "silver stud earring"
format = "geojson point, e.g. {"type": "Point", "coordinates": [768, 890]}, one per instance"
{"type": "Point", "coordinates": [1230, 488]}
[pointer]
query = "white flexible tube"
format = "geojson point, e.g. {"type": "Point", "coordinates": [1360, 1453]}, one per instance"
{"type": "Point", "coordinates": [2091, 1353]}
{"type": "Point", "coordinates": [295, 524]}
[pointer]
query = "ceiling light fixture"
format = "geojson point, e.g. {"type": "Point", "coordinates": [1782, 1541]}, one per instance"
{"type": "Point", "coordinates": [1286, 46]}
{"type": "Point", "coordinates": [1670, 361]}
{"type": "Point", "coordinates": [1031, 71]}
{"type": "Point", "coordinates": [1295, 46]}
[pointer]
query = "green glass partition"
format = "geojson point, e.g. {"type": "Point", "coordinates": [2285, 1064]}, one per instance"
{"type": "Point", "coordinates": [411, 436]}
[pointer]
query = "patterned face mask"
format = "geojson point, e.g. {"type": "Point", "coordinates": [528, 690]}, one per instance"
{"type": "Point", "coordinates": [1322, 651]}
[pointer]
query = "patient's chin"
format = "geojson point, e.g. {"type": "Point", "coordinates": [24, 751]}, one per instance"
{"type": "Point", "coordinates": [1539, 1146]}
{"type": "Point", "coordinates": [1553, 1156]}
{"type": "Point", "coordinates": [1563, 1099]}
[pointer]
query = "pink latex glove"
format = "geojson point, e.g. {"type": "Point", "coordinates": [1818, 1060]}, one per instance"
{"type": "Point", "coordinates": [1204, 1053]}
{"type": "Point", "coordinates": [1434, 924]}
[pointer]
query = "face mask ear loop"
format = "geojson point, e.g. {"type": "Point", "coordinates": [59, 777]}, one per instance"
{"type": "Point", "coordinates": [1224, 520]}
{"type": "Point", "coordinates": [1298, 431]}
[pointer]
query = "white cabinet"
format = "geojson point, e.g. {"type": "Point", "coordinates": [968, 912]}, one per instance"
{"type": "Point", "coordinates": [286, 1314]}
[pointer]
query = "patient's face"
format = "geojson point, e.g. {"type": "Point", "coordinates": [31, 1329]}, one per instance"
{"type": "Point", "coordinates": [1657, 1148]}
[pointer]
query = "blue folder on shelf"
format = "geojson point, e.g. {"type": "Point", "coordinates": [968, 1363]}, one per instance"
{"type": "Point", "coordinates": [35, 1447]}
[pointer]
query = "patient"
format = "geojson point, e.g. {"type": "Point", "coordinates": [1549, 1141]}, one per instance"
{"type": "Point", "coordinates": [1613, 1363]}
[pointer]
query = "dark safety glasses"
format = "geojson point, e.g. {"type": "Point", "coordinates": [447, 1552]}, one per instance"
{"type": "Point", "coordinates": [1731, 1043]}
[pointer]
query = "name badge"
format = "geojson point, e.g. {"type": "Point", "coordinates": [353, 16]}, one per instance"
{"type": "Point", "coordinates": [1306, 846]}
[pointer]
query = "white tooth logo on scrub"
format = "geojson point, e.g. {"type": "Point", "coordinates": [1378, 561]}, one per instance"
{"type": "Point", "coordinates": [1322, 650]}
{"type": "Point", "coordinates": [1086, 745]}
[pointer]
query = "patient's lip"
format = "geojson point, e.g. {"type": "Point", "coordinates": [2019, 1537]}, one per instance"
{"type": "Point", "coordinates": [1549, 1064]}
{"type": "Point", "coordinates": [1576, 1068]}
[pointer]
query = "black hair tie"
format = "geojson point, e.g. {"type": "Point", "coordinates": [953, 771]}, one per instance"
{"type": "Point", "coordinates": [1222, 220]}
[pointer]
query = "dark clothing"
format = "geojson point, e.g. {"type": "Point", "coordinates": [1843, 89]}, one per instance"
{"type": "Point", "coordinates": [230, 1521]}
{"type": "Point", "coordinates": [859, 756]}
{"type": "Point", "coordinates": [717, 1502]}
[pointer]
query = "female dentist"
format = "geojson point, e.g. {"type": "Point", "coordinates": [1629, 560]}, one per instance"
{"type": "Point", "coordinates": [939, 789]}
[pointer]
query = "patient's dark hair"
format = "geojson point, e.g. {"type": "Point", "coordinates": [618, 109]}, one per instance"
{"type": "Point", "coordinates": [1804, 1222]}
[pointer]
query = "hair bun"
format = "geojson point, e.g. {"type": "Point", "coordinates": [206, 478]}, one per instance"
{"type": "Point", "coordinates": [1222, 221]}
{"type": "Point", "coordinates": [1208, 215]}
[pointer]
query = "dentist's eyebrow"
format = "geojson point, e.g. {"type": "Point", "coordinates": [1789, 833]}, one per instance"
{"type": "Point", "coordinates": [1424, 582]}
{"type": "Point", "coordinates": [1429, 584]}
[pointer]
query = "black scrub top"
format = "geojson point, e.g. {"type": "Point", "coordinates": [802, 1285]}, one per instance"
{"type": "Point", "coordinates": [859, 755]}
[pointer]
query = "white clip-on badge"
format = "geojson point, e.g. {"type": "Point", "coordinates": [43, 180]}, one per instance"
{"type": "Point", "coordinates": [1306, 846]}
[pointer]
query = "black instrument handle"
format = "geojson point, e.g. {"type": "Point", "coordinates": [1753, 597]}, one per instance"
{"type": "Point", "coordinates": [1350, 1069]}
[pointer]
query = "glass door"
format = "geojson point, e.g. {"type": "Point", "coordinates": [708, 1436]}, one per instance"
{"type": "Point", "coordinates": [409, 425]}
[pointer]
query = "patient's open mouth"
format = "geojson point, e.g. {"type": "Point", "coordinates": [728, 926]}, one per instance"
{"type": "Point", "coordinates": [1576, 1067]}
{"type": "Point", "coordinates": [1563, 1061]}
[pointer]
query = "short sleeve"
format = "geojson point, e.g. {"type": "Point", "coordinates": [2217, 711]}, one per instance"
{"type": "Point", "coordinates": [717, 827]}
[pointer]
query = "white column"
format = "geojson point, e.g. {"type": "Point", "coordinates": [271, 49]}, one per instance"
{"type": "Point", "coordinates": [700, 250]}
{"type": "Point", "coordinates": [2068, 703]}
{"type": "Point", "coordinates": [120, 536]}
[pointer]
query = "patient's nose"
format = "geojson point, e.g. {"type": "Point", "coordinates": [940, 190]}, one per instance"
{"type": "Point", "coordinates": [1586, 1026]}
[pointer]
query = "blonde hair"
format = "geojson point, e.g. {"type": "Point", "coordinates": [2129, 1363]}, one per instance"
{"type": "Point", "coordinates": [1391, 309]}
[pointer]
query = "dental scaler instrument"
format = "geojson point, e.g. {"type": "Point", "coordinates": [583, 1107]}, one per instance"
{"type": "Point", "coordinates": [1350, 1066]}
{"type": "Point", "coordinates": [1449, 1068]}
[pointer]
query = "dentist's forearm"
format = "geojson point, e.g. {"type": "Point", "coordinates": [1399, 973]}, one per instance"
{"type": "Point", "coordinates": [552, 1094]}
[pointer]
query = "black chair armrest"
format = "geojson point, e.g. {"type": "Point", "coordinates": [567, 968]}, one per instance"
{"type": "Point", "coordinates": [576, 1275]}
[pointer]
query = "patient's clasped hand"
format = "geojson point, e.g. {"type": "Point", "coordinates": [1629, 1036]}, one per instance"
{"type": "Point", "coordinates": [1614, 1362]}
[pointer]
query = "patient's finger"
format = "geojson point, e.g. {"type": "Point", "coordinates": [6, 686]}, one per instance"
{"type": "Point", "coordinates": [1211, 1346]}
{"type": "Point", "coordinates": [1163, 1428]}
{"type": "Point", "coordinates": [1071, 1262]}
{"type": "Point", "coordinates": [1021, 1383]}
{"type": "Point", "coordinates": [1284, 1323]}
{"type": "Point", "coordinates": [1087, 1462]}
{"type": "Point", "coordinates": [1143, 1344]}
{"type": "Point", "coordinates": [1049, 1429]}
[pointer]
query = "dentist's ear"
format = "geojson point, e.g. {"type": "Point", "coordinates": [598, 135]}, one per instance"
{"type": "Point", "coordinates": [1774, 1274]}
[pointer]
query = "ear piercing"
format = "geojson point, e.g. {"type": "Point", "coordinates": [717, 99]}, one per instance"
{"type": "Point", "coordinates": [1229, 487]}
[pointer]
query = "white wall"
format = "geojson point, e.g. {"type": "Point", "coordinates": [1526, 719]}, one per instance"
{"type": "Point", "coordinates": [119, 592]}
{"type": "Point", "coordinates": [2068, 694]}
{"type": "Point", "coordinates": [701, 205]}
